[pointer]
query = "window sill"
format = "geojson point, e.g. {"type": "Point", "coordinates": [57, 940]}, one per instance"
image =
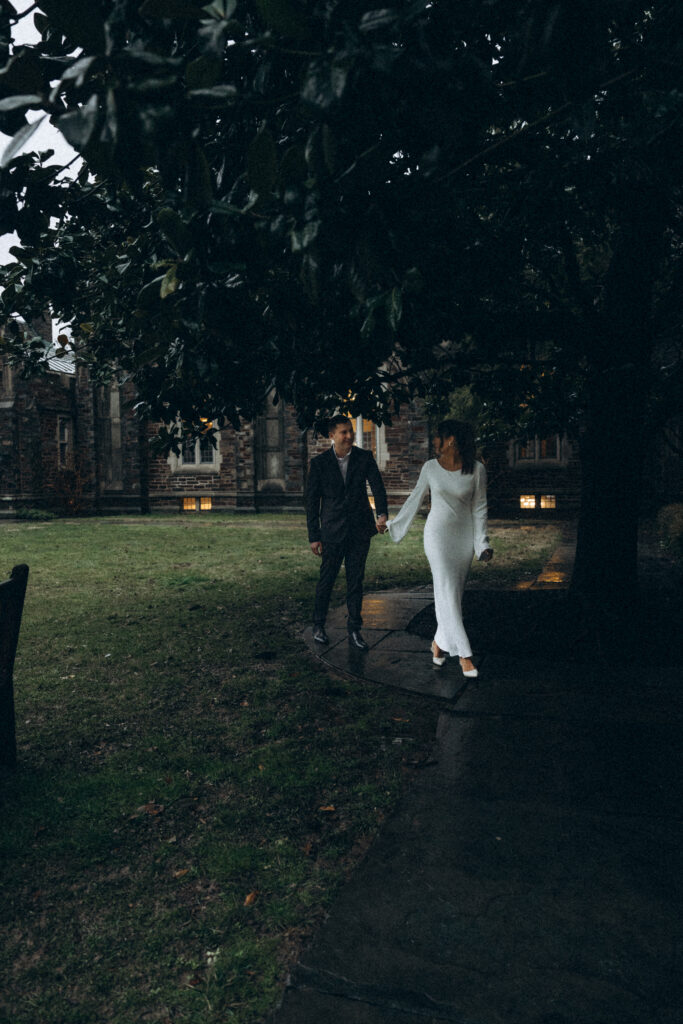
{"type": "Point", "coordinates": [201, 469]}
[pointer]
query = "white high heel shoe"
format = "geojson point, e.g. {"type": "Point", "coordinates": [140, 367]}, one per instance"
{"type": "Point", "coordinates": [437, 661]}
{"type": "Point", "coordinates": [470, 673]}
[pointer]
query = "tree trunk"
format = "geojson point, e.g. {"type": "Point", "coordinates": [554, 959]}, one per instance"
{"type": "Point", "coordinates": [616, 441]}
{"type": "Point", "coordinates": [606, 566]}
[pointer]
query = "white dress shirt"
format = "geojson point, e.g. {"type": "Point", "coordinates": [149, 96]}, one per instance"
{"type": "Point", "coordinates": [343, 462]}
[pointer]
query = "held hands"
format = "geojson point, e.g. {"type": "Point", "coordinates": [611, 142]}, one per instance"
{"type": "Point", "coordinates": [317, 548]}
{"type": "Point", "coordinates": [486, 555]}
{"type": "Point", "coordinates": [381, 524]}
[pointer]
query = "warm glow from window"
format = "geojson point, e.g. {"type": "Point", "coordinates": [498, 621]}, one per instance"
{"type": "Point", "coordinates": [205, 504]}
{"type": "Point", "coordinates": [189, 505]}
{"type": "Point", "coordinates": [527, 501]}
{"type": "Point", "coordinates": [548, 501]}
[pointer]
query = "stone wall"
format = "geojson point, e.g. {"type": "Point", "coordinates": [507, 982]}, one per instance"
{"type": "Point", "coordinates": [508, 480]}
{"type": "Point", "coordinates": [110, 453]}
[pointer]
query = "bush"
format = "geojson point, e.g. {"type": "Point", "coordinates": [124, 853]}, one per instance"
{"type": "Point", "coordinates": [670, 530]}
{"type": "Point", "coordinates": [35, 515]}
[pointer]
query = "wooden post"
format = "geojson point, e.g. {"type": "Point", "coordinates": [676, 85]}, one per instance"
{"type": "Point", "coordinates": [12, 593]}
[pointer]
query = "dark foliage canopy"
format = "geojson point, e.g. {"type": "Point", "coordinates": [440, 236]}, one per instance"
{"type": "Point", "coordinates": [352, 205]}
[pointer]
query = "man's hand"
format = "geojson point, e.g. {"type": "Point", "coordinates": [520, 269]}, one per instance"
{"type": "Point", "coordinates": [382, 524]}
{"type": "Point", "coordinates": [486, 555]}
{"type": "Point", "coordinates": [317, 547]}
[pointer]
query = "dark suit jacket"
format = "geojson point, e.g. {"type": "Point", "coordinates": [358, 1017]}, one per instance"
{"type": "Point", "coordinates": [334, 509]}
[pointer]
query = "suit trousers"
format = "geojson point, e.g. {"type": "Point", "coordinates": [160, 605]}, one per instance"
{"type": "Point", "coordinates": [353, 552]}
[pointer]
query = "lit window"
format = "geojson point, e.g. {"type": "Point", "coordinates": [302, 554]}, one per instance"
{"type": "Point", "coordinates": [527, 450]}
{"type": "Point", "coordinates": [205, 504]}
{"type": "Point", "coordinates": [548, 501]}
{"type": "Point", "coordinates": [527, 501]}
{"type": "Point", "coordinates": [189, 504]}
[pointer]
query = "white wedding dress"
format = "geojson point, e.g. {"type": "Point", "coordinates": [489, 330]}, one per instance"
{"type": "Point", "coordinates": [454, 533]}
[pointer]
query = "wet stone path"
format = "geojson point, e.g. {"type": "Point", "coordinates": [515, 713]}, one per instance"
{"type": "Point", "coordinates": [531, 873]}
{"type": "Point", "coordinates": [398, 657]}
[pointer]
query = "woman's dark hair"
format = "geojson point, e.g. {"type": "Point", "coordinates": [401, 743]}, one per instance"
{"type": "Point", "coordinates": [464, 438]}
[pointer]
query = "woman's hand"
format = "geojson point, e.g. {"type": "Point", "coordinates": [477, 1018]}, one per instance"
{"type": "Point", "coordinates": [486, 555]}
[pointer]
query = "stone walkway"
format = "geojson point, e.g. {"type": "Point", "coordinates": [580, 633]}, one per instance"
{"type": "Point", "coordinates": [400, 658]}
{"type": "Point", "coordinates": [531, 874]}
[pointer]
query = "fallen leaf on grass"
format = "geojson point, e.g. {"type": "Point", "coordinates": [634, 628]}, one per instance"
{"type": "Point", "coordinates": [180, 873]}
{"type": "Point", "coordinates": [251, 898]}
{"type": "Point", "coordinates": [397, 718]}
{"type": "Point", "coordinates": [327, 808]}
{"type": "Point", "coordinates": [151, 808]}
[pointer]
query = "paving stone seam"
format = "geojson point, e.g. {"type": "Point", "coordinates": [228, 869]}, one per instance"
{"type": "Point", "coordinates": [417, 1004]}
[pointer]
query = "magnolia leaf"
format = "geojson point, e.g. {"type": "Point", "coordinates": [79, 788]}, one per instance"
{"type": "Point", "coordinates": [378, 19]}
{"type": "Point", "coordinates": [199, 179]}
{"type": "Point", "coordinates": [149, 294]}
{"type": "Point", "coordinates": [22, 73]}
{"type": "Point", "coordinates": [17, 102]}
{"type": "Point", "coordinates": [293, 167]}
{"type": "Point", "coordinates": [286, 17]}
{"type": "Point", "coordinates": [78, 70]}
{"type": "Point", "coordinates": [216, 96]}
{"type": "Point", "coordinates": [174, 229]}
{"type": "Point", "coordinates": [169, 282]}
{"type": "Point", "coordinates": [394, 307]}
{"type": "Point", "coordinates": [368, 325]}
{"type": "Point", "coordinates": [81, 21]}
{"type": "Point", "coordinates": [262, 162]}
{"type": "Point", "coordinates": [222, 10]}
{"type": "Point", "coordinates": [19, 140]}
{"type": "Point", "coordinates": [78, 126]}
{"type": "Point", "coordinates": [204, 72]}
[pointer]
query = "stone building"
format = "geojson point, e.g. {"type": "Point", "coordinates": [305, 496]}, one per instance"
{"type": "Point", "coordinates": [73, 447]}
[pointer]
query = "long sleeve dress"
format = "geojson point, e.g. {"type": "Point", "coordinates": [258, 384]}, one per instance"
{"type": "Point", "coordinates": [454, 533]}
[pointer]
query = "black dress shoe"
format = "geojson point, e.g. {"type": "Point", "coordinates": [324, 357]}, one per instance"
{"type": "Point", "coordinates": [356, 640]}
{"type": "Point", "coordinates": [320, 636]}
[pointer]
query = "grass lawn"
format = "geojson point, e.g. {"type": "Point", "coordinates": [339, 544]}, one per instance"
{"type": "Point", "coordinates": [192, 788]}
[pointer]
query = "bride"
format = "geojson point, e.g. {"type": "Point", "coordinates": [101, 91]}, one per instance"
{"type": "Point", "coordinates": [455, 531]}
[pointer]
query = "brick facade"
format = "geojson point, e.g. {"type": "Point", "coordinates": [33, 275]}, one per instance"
{"type": "Point", "coordinates": [68, 446]}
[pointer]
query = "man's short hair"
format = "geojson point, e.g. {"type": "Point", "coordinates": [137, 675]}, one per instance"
{"type": "Point", "coordinates": [333, 423]}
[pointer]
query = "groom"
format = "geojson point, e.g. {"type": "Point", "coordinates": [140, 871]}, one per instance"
{"type": "Point", "coordinates": [341, 524]}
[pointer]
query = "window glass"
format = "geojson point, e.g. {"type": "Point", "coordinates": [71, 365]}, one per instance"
{"type": "Point", "coordinates": [189, 452]}
{"type": "Point", "coordinates": [548, 447]}
{"type": "Point", "coordinates": [527, 449]}
{"type": "Point", "coordinates": [205, 450]}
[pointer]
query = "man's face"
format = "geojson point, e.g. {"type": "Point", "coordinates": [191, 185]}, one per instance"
{"type": "Point", "coordinates": [342, 438]}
